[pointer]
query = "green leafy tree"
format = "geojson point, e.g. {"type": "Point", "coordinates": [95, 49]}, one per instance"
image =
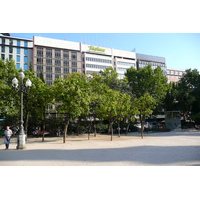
{"type": "Point", "coordinates": [9, 101]}
{"type": "Point", "coordinates": [144, 105]}
{"type": "Point", "coordinates": [72, 97]}
{"type": "Point", "coordinates": [148, 86]}
{"type": "Point", "coordinates": [188, 95]}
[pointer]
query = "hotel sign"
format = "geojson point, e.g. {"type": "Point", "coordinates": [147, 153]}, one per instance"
{"type": "Point", "coordinates": [98, 49]}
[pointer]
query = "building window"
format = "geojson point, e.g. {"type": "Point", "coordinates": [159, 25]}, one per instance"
{"type": "Point", "coordinates": [18, 50]}
{"type": "Point", "coordinates": [39, 68]}
{"type": "Point", "coordinates": [65, 55]}
{"type": "Point", "coordinates": [26, 52]}
{"type": "Point", "coordinates": [39, 60]}
{"type": "Point", "coordinates": [49, 61]}
{"type": "Point", "coordinates": [25, 59]}
{"type": "Point", "coordinates": [74, 56]}
{"type": "Point", "coordinates": [57, 76]}
{"type": "Point", "coordinates": [74, 70]}
{"type": "Point", "coordinates": [10, 42]}
{"type": "Point", "coordinates": [39, 51]}
{"type": "Point", "coordinates": [3, 56]}
{"type": "Point", "coordinates": [66, 63]}
{"type": "Point", "coordinates": [48, 53]}
{"type": "Point", "coordinates": [49, 76]}
{"type": "Point", "coordinates": [3, 40]}
{"type": "Point", "coordinates": [57, 69]}
{"type": "Point", "coordinates": [66, 70]}
{"type": "Point", "coordinates": [18, 43]}
{"type": "Point", "coordinates": [57, 53]}
{"type": "Point", "coordinates": [57, 62]}
{"type": "Point", "coordinates": [18, 65]}
{"type": "Point", "coordinates": [10, 50]}
{"type": "Point", "coordinates": [25, 44]}
{"type": "Point", "coordinates": [3, 49]}
{"type": "Point", "coordinates": [18, 58]}
{"type": "Point", "coordinates": [10, 57]}
{"type": "Point", "coordinates": [48, 69]}
{"type": "Point", "coordinates": [25, 66]}
{"type": "Point", "coordinates": [74, 64]}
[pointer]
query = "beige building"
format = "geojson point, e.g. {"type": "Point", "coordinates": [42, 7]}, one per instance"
{"type": "Point", "coordinates": [174, 75]}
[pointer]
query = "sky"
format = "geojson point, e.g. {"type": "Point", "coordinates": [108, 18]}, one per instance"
{"type": "Point", "coordinates": [181, 50]}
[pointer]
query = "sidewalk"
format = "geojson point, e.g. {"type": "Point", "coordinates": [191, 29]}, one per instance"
{"type": "Point", "coordinates": [179, 148]}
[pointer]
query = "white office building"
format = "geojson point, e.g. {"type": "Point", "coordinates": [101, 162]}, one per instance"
{"type": "Point", "coordinates": [19, 49]}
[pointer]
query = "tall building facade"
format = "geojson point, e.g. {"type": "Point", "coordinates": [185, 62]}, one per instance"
{"type": "Point", "coordinates": [19, 49]}
{"type": "Point", "coordinates": [174, 75]}
{"type": "Point", "coordinates": [56, 58]}
{"type": "Point", "coordinates": [154, 61]}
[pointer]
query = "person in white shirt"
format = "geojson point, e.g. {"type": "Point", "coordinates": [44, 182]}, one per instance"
{"type": "Point", "coordinates": [8, 134]}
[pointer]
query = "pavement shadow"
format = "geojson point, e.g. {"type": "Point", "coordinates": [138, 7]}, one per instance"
{"type": "Point", "coordinates": [148, 155]}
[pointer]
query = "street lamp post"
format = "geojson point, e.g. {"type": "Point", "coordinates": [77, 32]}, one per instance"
{"type": "Point", "coordinates": [22, 88]}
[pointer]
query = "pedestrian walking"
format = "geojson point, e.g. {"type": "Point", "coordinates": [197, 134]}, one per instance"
{"type": "Point", "coordinates": [8, 134]}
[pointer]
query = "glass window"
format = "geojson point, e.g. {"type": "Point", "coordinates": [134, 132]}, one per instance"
{"type": "Point", "coordinates": [3, 40]}
{"type": "Point", "coordinates": [10, 57]}
{"type": "Point", "coordinates": [48, 53]}
{"type": "Point", "coordinates": [25, 66]}
{"type": "Point", "coordinates": [25, 44]}
{"type": "Point", "coordinates": [39, 51]}
{"type": "Point", "coordinates": [18, 58]}
{"type": "Point", "coordinates": [26, 52]}
{"type": "Point", "coordinates": [3, 56]}
{"type": "Point", "coordinates": [48, 69]}
{"type": "Point", "coordinates": [18, 43]}
{"type": "Point", "coordinates": [49, 61]}
{"type": "Point", "coordinates": [66, 63]}
{"type": "Point", "coordinates": [18, 50]}
{"type": "Point", "coordinates": [18, 65]}
{"type": "Point", "coordinates": [57, 53]}
{"type": "Point", "coordinates": [10, 50]}
{"type": "Point", "coordinates": [57, 62]}
{"type": "Point", "coordinates": [74, 64]}
{"type": "Point", "coordinates": [2, 49]}
{"type": "Point", "coordinates": [25, 59]}
{"type": "Point", "coordinates": [11, 42]}
{"type": "Point", "coordinates": [57, 69]}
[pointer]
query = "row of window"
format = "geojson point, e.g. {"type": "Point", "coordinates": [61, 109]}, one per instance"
{"type": "Point", "coordinates": [11, 50]}
{"type": "Point", "coordinates": [3, 41]}
{"type": "Point", "coordinates": [57, 69]}
{"type": "Point", "coordinates": [25, 59]}
{"type": "Point", "coordinates": [98, 60]}
{"type": "Point", "coordinates": [121, 69]}
{"type": "Point", "coordinates": [174, 72]}
{"type": "Point", "coordinates": [19, 66]}
{"type": "Point", "coordinates": [57, 53]}
{"type": "Point", "coordinates": [17, 58]}
{"type": "Point", "coordinates": [96, 66]}
{"type": "Point", "coordinates": [50, 76]}
{"type": "Point", "coordinates": [125, 63]}
{"type": "Point", "coordinates": [151, 63]}
{"type": "Point", "coordinates": [56, 62]}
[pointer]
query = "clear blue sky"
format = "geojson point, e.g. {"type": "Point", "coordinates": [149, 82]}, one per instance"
{"type": "Point", "coordinates": [181, 50]}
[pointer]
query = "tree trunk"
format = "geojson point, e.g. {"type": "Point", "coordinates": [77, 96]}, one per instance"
{"type": "Point", "coordinates": [43, 129]}
{"type": "Point", "coordinates": [118, 128]}
{"type": "Point", "coordinates": [65, 130]}
{"type": "Point", "coordinates": [95, 127]}
{"type": "Point", "coordinates": [111, 128]}
{"type": "Point", "coordinates": [142, 126]}
{"type": "Point", "coordinates": [127, 128]}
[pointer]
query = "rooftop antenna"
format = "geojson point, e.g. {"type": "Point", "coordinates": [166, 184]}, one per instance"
{"type": "Point", "coordinates": [134, 50]}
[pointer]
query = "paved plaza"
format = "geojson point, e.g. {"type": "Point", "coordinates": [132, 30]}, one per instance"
{"type": "Point", "coordinates": [176, 148]}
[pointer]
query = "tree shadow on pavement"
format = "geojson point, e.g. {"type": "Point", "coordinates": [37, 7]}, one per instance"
{"type": "Point", "coordinates": [146, 155]}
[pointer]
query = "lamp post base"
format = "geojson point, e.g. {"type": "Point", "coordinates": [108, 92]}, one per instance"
{"type": "Point", "coordinates": [21, 142]}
